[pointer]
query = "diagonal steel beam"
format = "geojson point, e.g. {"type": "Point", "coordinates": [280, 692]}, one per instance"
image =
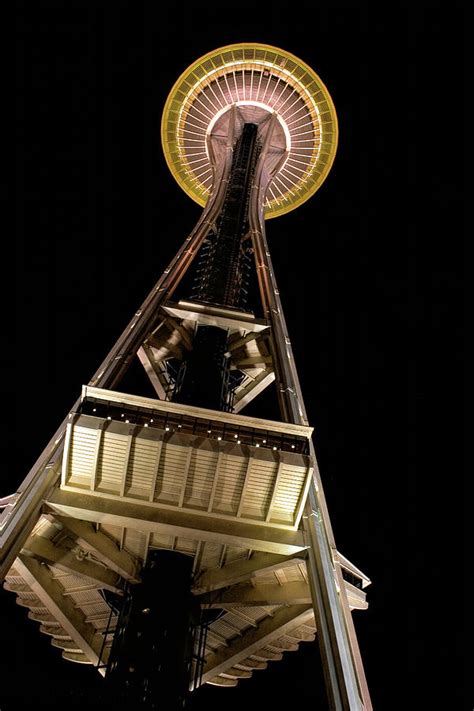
{"type": "Point", "coordinates": [156, 375]}
{"type": "Point", "coordinates": [43, 550]}
{"type": "Point", "coordinates": [295, 593]}
{"type": "Point", "coordinates": [41, 581]}
{"type": "Point", "coordinates": [269, 629]}
{"type": "Point", "coordinates": [107, 551]}
{"type": "Point", "coordinates": [250, 391]}
{"type": "Point", "coordinates": [244, 569]}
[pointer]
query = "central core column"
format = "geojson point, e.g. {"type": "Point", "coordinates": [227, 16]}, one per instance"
{"type": "Point", "coordinates": [151, 658]}
{"type": "Point", "coordinates": [221, 280]}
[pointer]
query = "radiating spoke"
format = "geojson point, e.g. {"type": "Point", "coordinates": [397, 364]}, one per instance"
{"type": "Point", "coordinates": [257, 80]}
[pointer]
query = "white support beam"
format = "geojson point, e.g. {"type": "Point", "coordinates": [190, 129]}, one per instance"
{"type": "Point", "coordinates": [242, 570]}
{"type": "Point", "coordinates": [126, 460]}
{"type": "Point", "coordinates": [197, 556]}
{"type": "Point", "coordinates": [222, 556]}
{"type": "Point", "coordinates": [146, 360]}
{"type": "Point", "coordinates": [239, 342]}
{"type": "Point", "coordinates": [106, 549]}
{"type": "Point", "coordinates": [303, 571]}
{"type": "Point", "coordinates": [213, 315]}
{"type": "Point", "coordinates": [336, 635]}
{"type": "Point", "coordinates": [269, 629]}
{"type": "Point", "coordinates": [245, 486]}
{"type": "Point", "coordinates": [122, 539]}
{"type": "Point", "coordinates": [146, 546]}
{"type": "Point", "coordinates": [296, 593]}
{"type": "Point", "coordinates": [274, 491]}
{"type": "Point", "coordinates": [346, 563]}
{"type": "Point", "coordinates": [187, 466]}
{"type": "Point", "coordinates": [40, 580]}
{"type": "Point", "coordinates": [252, 361]}
{"type": "Point", "coordinates": [217, 472]}
{"type": "Point", "coordinates": [184, 333]}
{"type": "Point", "coordinates": [158, 518]}
{"type": "Point", "coordinates": [168, 348]}
{"type": "Point", "coordinates": [64, 559]}
{"type": "Point", "coordinates": [98, 441]}
{"type": "Point", "coordinates": [155, 470]}
{"type": "Point", "coordinates": [250, 391]}
{"type": "Point", "coordinates": [303, 496]}
{"type": "Point", "coordinates": [67, 445]}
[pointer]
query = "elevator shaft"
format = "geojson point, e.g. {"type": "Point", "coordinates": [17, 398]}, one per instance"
{"type": "Point", "coordinates": [221, 279]}
{"type": "Point", "coordinates": [151, 657]}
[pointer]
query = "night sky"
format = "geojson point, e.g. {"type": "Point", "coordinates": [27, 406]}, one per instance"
{"type": "Point", "coordinates": [369, 275]}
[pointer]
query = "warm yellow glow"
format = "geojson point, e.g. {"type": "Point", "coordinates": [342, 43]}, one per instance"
{"type": "Point", "coordinates": [308, 163]}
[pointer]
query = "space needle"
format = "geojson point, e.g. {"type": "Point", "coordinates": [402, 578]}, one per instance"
{"type": "Point", "coordinates": [175, 540]}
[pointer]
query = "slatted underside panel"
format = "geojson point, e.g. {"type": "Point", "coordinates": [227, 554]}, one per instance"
{"type": "Point", "coordinates": [135, 542]}
{"type": "Point", "coordinates": [110, 465]}
{"type": "Point", "coordinates": [200, 478]}
{"type": "Point", "coordinates": [229, 484]}
{"type": "Point", "coordinates": [233, 624]}
{"type": "Point", "coordinates": [288, 574]}
{"type": "Point", "coordinates": [287, 494]}
{"type": "Point", "coordinates": [82, 457]}
{"type": "Point", "coordinates": [259, 489]}
{"type": "Point", "coordinates": [84, 596]}
{"type": "Point", "coordinates": [141, 468]}
{"type": "Point", "coordinates": [272, 650]}
{"type": "Point", "coordinates": [171, 470]}
{"type": "Point", "coordinates": [185, 471]}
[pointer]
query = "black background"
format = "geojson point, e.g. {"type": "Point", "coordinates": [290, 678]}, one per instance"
{"type": "Point", "coordinates": [369, 271]}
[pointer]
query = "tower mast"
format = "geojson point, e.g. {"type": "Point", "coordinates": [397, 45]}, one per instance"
{"type": "Point", "coordinates": [181, 503]}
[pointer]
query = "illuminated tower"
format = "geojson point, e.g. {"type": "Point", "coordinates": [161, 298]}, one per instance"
{"type": "Point", "coordinates": [175, 541]}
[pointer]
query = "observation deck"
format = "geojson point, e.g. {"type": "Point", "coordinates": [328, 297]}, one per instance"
{"type": "Point", "coordinates": [140, 474]}
{"type": "Point", "coordinates": [260, 81]}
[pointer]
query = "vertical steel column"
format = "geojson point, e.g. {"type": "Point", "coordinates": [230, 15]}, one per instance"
{"type": "Point", "coordinates": [345, 677]}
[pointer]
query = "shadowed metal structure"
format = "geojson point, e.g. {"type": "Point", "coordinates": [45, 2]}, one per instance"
{"type": "Point", "coordinates": [141, 512]}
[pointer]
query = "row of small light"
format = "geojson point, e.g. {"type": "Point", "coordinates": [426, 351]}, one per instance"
{"type": "Point", "coordinates": [219, 438]}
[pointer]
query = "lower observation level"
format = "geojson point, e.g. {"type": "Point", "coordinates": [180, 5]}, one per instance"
{"type": "Point", "coordinates": [226, 490]}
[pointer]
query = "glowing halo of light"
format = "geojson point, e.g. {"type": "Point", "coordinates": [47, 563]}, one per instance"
{"type": "Point", "coordinates": [252, 74]}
